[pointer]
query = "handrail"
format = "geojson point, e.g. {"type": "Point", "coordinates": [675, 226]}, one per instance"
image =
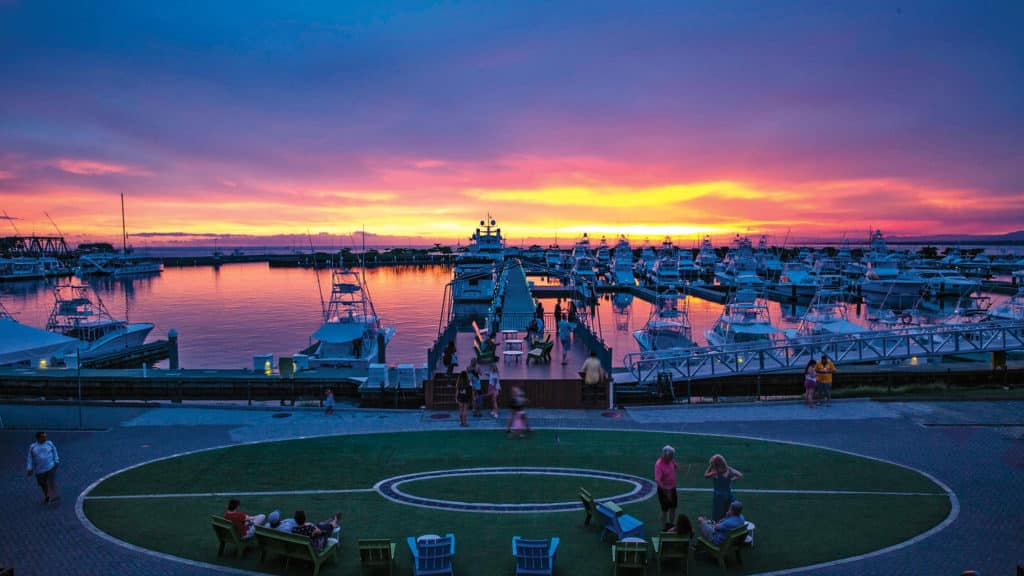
{"type": "Point", "coordinates": [897, 344]}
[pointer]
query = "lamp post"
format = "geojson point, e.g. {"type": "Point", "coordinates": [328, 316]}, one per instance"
{"type": "Point", "coordinates": [78, 368]}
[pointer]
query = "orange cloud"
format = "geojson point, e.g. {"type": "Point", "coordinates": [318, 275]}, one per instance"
{"type": "Point", "coordinates": [84, 167]}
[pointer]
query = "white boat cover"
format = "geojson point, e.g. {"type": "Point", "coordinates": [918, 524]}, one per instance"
{"type": "Point", "coordinates": [337, 332]}
{"type": "Point", "coordinates": [22, 343]}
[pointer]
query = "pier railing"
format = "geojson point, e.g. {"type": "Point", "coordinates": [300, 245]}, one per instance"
{"type": "Point", "coordinates": [880, 346]}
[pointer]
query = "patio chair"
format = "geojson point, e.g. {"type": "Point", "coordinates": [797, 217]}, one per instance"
{"type": "Point", "coordinates": [431, 555]}
{"type": "Point", "coordinates": [589, 506]}
{"type": "Point", "coordinates": [670, 546]}
{"type": "Point", "coordinates": [226, 534]}
{"type": "Point", "coordinates": [630, 555]}
{"type": "Point", "coordinates": [729, 547]}
{"type": "Point", "coordinates": [484, 356]}
{"type": "Point", "coordinates": [534, 556]}
{"type": "Point", "coordinates": [377, 556]}
{"type": "Point", "coordinates": [619, 524]}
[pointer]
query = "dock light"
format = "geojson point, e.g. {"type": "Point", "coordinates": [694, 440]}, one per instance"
{"type": "Point", "coordinates": [42, 364]}
{"type": "Point", "coordinates": [913, 360]}
{"type": "Point", "coordinates": [739, 360]}
{"type": "Point", "coordinates": [267, 368]}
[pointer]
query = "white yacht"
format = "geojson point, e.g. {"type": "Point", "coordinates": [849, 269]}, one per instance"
{"type": "Point", "coordinates": [739, 268]}
{"type": "Point", "coordinates": [666, 269]}
{"type": "Point", "coordinates": [688, 268]}
{"type": "Point", "coordinates": [352, 335]}
{"type": "Point", "coordinates": [603, 255]}
{"type": "Point", "coordinates": [827, 314]}
{"type": "Point", "coordinates": [553, 257]}
{"type": "Point", "coordinates": [124, 264]}
{"type": "Point", "coordinates": [474, 281]}
{"type": "Point", "coordinates": [1012, 309]}
{"type": "Point", "coordinates": [942, 283]}
{"type": "Point", "coordinates": [76, 315]}
{"type": "Point", "coordinates": [668, 325]}
{"type": "Point", "coordinates": [645, 267]}
{"type": "Point", "coordinates": [769, 265]}
{"type": "Point", "coordinates": [622, 263]}
{"type": "Point", "coordinates": [744, 320]}
{"type": "Point", "coordinates": [797, 280]}
{"type": "Point", "coordinates": [706, 257]}
{"type": "Point", "coordinates": [13, 269]}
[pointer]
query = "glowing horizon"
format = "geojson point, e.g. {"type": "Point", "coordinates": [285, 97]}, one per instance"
{"type": "Point", "coordinates": [670, 120]}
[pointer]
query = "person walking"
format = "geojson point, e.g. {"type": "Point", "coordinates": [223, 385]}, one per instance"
{"type": "Point", "coordinates": [810, 382]}
{"type": "Point", "coordinates": [722, 476]}
{"type": "Point", "coordinates": [517, 423]}
{"type": "Point", "coordinates": [824, 370]}
{"type": "Point", "coordinates": [493, 390]}
{"type": "Point", "coordinates": [43, 461]}
{"type": "Point", "coordinates": [449, 358]}
{"type": "Point", "coordinates": [665, 477]}
{"type": "Point", "coordinates": [329, 403]}
{"type": "Point", "coordinates": [564, 337]}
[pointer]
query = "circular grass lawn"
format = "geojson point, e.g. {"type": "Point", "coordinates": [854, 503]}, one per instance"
{"type": "Point", "coordinates": [810, 505]}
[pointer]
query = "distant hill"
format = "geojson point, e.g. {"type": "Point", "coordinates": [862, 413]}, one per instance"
{"type": "Point", "coordinates": [1009, 238]}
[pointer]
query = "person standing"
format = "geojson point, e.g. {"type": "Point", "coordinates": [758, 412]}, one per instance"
{"type": "Point", "coordinates": [558, 310]}
{"type": "Point", "coordinates": [449, 358]}
{"type": "Point", "coordinates": [329, 403]}
{"type": "Point", "coordinates": [824, 370]}
{"type": "Point", "coordinates": [564, 337]}
{"type": "Point", "coordinates": [665, 477]}
{"type": "Point", "coordinates": [493, 390]}
{"type": "Point", "coordinates": [43, 461]}
{"type": "Point", "coordinates": [721, 475]}
{"type": "Point", "coordinates": [592, 371]}
{"type": "Point", "coordinates": [463, 395]}
{"type": "Point", "coordinates": [810, 382]}
{"type": "Point", "coordinates": [474, 380]}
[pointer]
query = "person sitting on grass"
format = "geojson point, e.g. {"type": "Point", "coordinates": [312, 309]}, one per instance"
{"type": "Point", "coordinates": [716, 532]}
{"type": "Point", "coordinates": [318, 533]}
{"type": "Point", "coordinates": [245, 525]}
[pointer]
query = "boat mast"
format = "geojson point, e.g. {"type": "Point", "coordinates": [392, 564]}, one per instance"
{"type": "Point", "coordinates": [124, 231]}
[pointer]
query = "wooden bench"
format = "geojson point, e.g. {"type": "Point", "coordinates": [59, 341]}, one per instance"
{"type": "Point", "coordinates": [297, 546]}
{"type": "Point", "coordinates": [226, 534]}
{"type": "Point", "coordinates": [377, 555]}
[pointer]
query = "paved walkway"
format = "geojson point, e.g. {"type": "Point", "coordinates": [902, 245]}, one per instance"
{"type": "Point", "coordinates": [973, 447]}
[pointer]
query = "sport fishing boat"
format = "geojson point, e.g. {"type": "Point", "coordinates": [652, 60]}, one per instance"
{"type": "Point", "coordinates": [622, 263]}
{"type": "Point", "coordinates": [76, 315]}
{"type": "Point", "coordinates": [826, 314]}
{"type": "Point", "coordinates": [668, 325]}
{"type": "Point", "coordinates": [947, 283]}
{"type": "Point", "coordinates": [797, 280]}
{"type": "Point", "coordinates": [739, 269]}
{"type": "Point", "coordinates": [706, 257]}
{"type": "Point", "coordinates": [474, 281]}
{"type": "Point", "coordinates": [744, 320]}
{"type": "Point", "coordinates": [1012, 309]}
{"type": "Point", "coordinates": [352, 335]}
{"type": "Point", "coordinates": [603, 255]}
{"type": "Point", "coordinates": [666, 269]}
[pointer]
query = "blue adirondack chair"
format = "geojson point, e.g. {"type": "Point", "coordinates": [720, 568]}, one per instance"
{"type": "Point", "coordinates": [620, 525]}
{"type": "Point", "coordinates": [534, 556]}
{"type": "Point", "coordinates": [433, 556]}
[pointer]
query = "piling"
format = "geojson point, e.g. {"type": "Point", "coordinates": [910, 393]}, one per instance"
{"type": "Point", "coordinates": [172, 349]}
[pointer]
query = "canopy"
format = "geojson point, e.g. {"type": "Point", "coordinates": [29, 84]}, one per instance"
{"type": "Point", "coordinates": [337, 332]}
{"type": "Point", "coordinates": [21, 343]}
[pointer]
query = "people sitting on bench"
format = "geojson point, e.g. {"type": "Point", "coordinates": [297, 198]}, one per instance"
{"type": "Point", "coordinates": [245, 525]}
{"type": "Point", "coordinates": [318, 533]}
{"type": "Point", "coordinates": [716, 532]}
{"type": "Point", "coordinates": [275, 522]}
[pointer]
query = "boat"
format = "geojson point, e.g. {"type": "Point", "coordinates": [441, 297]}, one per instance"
{"type": "Point", "coordinates": [744, 320]}
{"type": "Point", "coordinates": [688, 268]}
{"type": "Point", "coordinates": [76, 314]}
{"type": "Point", "coordinates": [622, 309]}
{"type": "Point", "coordinates": [666, 269]}
{"type": "Point", "coordinates": [622, 263]}
{"type": "Point", "coordinates": [583, 275]}
{"type": "Point", "coordinates": [947, 283]}
{"type": "Point", "coordinates": [23, 345]}
{"type": "Point", "coordinates": [668, 326]}
{"type": "Point", "coordinates": [706, 257]}
{"type": "Point", "coordinates": [769, 265]}
{"type": "Point", "coordinates": [970, 309]}
{"type": "Point", "coordinates": [553, 257]}
{"type": "Point", "coordinates": [474, 281]}
{"type": "Point", "coordinates": [645, 267]}
{"type": "Point", "coordinates": [827, 314]}
{"type": "Point", "coordinates": [14, 269]}
{"type": "Point", "coordinates": [603, 255]}
{"type": "Point", "coordinates": [1011, 309]}
{"type": "Point", "coordinates": [797, 280]}
{"type": "Point", "coordinates": [122, 264]}
{"type": "Point", "coordinates": [352, 335]}
{"type": "Point", "coordinates": [739, 268]}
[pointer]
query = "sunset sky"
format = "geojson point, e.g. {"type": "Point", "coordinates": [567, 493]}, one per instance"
{"type": "Point", "coordinates": [416, 119]}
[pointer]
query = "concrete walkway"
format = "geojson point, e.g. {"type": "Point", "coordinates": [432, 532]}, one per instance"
{"type": "Point", "coordinates": [973, 447]}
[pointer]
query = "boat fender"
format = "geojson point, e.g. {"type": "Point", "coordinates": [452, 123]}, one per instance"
{"type": "Point", "coordinates": [906, 318]}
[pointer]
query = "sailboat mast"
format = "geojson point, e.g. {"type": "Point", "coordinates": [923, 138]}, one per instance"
{"type": "Point", "coordinates": [124, 231]}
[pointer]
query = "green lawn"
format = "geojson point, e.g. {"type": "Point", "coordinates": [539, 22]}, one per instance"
{"type": "Point", "coordinates": [793, 529]}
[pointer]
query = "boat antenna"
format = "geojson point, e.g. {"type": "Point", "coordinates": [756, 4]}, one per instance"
{"type": "Point", "coordinates": [11, 222]}
{"type": "Point", "coordinates": [124, 230]}
{"type": "Point", "coordinates": [316, 273]}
